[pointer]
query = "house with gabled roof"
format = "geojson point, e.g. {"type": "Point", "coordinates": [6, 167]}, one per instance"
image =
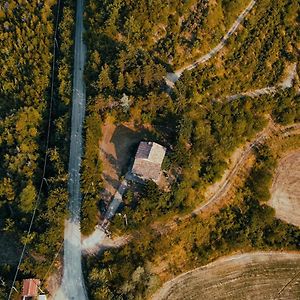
{"type": "Point", "coordinates": [148, 161]}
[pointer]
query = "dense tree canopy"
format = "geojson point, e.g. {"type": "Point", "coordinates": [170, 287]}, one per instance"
{"type": "Point", "coordinates": [27, 31]}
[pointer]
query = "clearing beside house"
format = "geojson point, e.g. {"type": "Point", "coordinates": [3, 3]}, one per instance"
{"type": "Point", "coordinates": [257, 275]}
{"type": "Point", "coordinates": [118, 146]}
{"type": "Point", "coordinates": [286, 189]}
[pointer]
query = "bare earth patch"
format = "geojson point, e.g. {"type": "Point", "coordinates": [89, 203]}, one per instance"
{"type": "Point", "coordinates": [98, 241]}
{"type": "Point", "coordinates": [286, 189]}
{"type": "Point", "coordinates": [258, 275]}
{"type": "Point", "coordinates": [117, 147]}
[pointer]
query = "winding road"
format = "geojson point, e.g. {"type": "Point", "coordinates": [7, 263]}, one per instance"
{"type": "Point", "coordinates": [285, 84]}
{"type": "Point", "coordinates": [72, 286]}
{"type": "Point", "coordinates": [171, 78]}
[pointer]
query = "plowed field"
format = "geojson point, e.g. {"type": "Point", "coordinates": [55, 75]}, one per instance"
{"type": "Point", "coordinates": [286, 189]}
{"type": "Point", "coordinates": [257, 275]}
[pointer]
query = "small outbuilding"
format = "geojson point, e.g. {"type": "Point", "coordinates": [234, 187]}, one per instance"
{"type": "Point", "coordinates": [148, 161]}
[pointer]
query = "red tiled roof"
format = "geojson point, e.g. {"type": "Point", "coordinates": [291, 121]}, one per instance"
{"type": "Point", "coordinates": [30, 287]}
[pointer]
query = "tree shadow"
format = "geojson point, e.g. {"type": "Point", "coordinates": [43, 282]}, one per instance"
{"type": "Point", "coordinates": [110, 158]}
{"type": "Point", "coordinates": [126, 141]}
{"type": "Point", "coordinates": [111, 181]}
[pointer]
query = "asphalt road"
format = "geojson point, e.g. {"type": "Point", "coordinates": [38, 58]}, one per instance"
{"type": "Point", "coordinates": [171, 78]}
{"type": "Point", "coordinates": [116, 201]}
{"type": "Point", "coordinates": [72, 283]}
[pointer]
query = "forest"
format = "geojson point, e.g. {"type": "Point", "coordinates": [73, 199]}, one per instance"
{"type": "Point", "coordinates": [132, 45]}
{"type": "Point", "coordinates": [245, 224]}
{"type": "Point", "coordinates": [130, 53]}
{"type": "Point", "coordinates": [35, 93]}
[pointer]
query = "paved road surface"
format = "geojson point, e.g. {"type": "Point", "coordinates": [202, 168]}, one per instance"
{"type": "Point", "coordinates": [171, 78]}
{"type": "Point", "coordinates": [72, 283]}
{"type": "Point", "coordinates": [117, 200]}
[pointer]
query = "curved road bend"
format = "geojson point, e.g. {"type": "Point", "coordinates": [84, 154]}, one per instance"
{"type": "Point", "coordinates": [171, 78]}
{"type": "Point", "coordinates": [72, 286]}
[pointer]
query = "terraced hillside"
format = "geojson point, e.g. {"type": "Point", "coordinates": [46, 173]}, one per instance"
{"type": "Point", "coordinates": [259, 275]}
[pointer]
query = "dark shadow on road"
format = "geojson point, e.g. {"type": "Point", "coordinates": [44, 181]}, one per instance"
{"type": "Point", "coordinates": [111, 181]}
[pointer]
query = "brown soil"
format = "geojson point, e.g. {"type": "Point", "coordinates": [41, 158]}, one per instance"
{"type": "Point", "coordinates": [286, 189]}
{"type": "Point", "coordinates": [258, 275]}
{"type": "Point", "coordinates": [117, 147]}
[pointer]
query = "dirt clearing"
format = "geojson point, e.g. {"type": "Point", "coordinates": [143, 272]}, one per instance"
{"type": "Point", "coordinates": [286, 189]}
{"type": "Point", "coordinates": [118, 146]}
{"type": "Point", "coordinates": [257, 275]}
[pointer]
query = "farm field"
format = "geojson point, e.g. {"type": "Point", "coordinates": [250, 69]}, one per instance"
{"type": "Point", "coordinates": [258, 275]}
{"type": "Point", "coordinates": [286, 189]}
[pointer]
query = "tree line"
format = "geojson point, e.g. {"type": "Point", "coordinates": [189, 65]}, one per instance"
{"type": "Point", "coordinates": [27, 35]}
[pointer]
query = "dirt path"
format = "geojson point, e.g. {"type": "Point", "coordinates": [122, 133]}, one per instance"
{"type": "Point", "coordinates": [171, 78]}
{"type": "Point", "coordinates": [286, 83]}
{"type": "Point", "coordinates": [257, 275]}
{"type": "Point", "coordinates": [221, 188]}
{"type": "Point", "coordinates": [286, 189]}
{"type": "Point", "coordinates": [98, 241]}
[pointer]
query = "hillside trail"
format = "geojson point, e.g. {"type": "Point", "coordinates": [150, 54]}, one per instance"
{"type": "Point", "coordinates": [285, 84]}
{"type": "Point", "coordinates": [221, 188]}
{"type": "Point", "coordinates": [171, 78]}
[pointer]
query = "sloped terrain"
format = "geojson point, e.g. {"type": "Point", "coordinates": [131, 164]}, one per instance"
{"type": "Point", "coordinates": [286, 189]}
{"type": "Point", "coordinates": [259, 275]}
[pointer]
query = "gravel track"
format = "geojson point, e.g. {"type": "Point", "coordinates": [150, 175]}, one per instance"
{"type": "Point", "coordinates": [171, 78]}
